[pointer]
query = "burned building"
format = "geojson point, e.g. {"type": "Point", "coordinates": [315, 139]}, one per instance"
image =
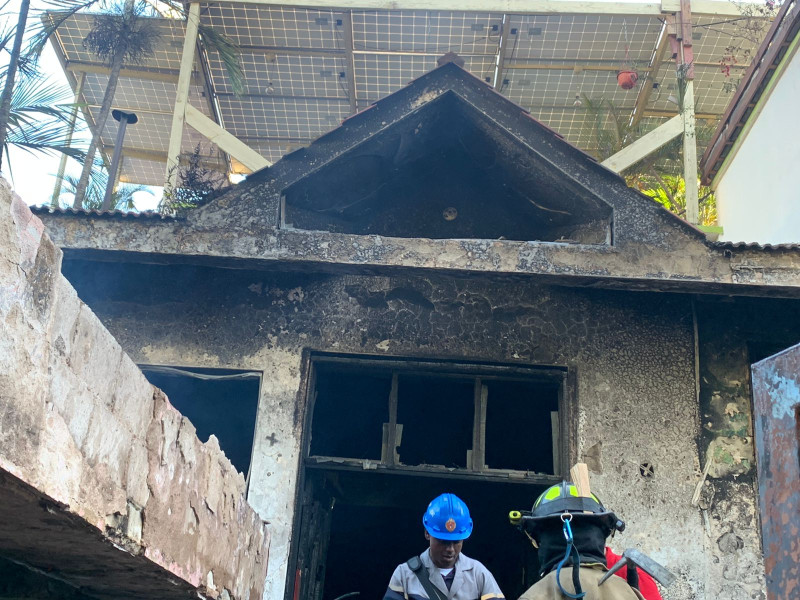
{"type": "Point", "coordinates": [444, 295]}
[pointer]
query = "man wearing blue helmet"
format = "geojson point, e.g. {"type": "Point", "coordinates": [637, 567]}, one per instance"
{"type": "Point", "coordinates": [442, 572]}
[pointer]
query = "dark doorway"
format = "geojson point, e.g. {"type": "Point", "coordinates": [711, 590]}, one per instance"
{"type": "Point", "coordinates": [375, 523]}
{"type": "Point", "coordinates": [386, 436]}
{"type": "Point", "coordinates": [222, 402]}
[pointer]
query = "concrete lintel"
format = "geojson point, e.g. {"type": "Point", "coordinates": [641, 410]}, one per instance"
{"type": "Point", "coordinates": [637, 267]}
{"type": "Point", "coordinates": [225, 140]}
{"type": "Point", "coordinates": [645, 145]}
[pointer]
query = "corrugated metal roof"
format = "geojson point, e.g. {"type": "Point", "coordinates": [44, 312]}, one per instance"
{"type": "Point", "coordinates": [114, 214]}
{"type": "Point", "coordinates": [756, 246]}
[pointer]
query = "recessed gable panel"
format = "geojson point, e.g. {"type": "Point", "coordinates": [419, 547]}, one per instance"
{"type": "Point", "coordinates": [446, 171]}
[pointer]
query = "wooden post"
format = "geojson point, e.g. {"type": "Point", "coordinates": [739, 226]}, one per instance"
{"type": "Point", "coordinates": [477, 457]}
{"type": "Point", "coordinates": [389, 454]}
{"type": "Point", "coordinates": [580, 477]}
{"type": "Point", "coordinates": [690, 155]}
{"type": "Point", "coordinates": [555, 428]}
{"type": "Point", "coordinates": [62, 164]}
{"type": "Point", "coordinates": [182, 96]}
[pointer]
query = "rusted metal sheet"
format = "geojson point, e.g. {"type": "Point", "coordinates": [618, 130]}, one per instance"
{"type": "Point", "coordinates": [776, 395]}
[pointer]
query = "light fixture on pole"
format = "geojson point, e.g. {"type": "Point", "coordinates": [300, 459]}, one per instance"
{"type": "Point", "coordinates": [124, 119]}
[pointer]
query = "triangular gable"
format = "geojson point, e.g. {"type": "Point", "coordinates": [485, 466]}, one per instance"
{"type": "Point", "coordinates": [447, 145]}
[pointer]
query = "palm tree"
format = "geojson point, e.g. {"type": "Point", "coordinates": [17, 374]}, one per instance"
{"type": "Point", "coordinates": [11, 72]}
{"type": "Point", "coordinates": [121, 198]}
{"type": "Point", "coordinates": [119, 36]}
{"type": "Point", "coordinates": [39, 117]}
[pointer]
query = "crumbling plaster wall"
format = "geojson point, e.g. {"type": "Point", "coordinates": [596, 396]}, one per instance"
{"type": "Point", "coordinates": [632, 353]}
{"type": "Point", "coordinates": [733, 334]}
{"type": "Point", "coordinates": [105, 450]}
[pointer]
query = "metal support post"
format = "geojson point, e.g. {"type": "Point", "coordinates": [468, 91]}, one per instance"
{"type": "Point", "coordinates": [182, 96]}
{"type": "Point", "coordinates": [62, 165]}
{"type": "Point", "coordinates": [123, 118]}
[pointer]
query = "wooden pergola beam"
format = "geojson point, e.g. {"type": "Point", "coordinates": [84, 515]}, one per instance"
{"type": "Point", "coordinates": [350, 69]}
{"type": "Point", "coordinates": [645, 145]}
{"type": "Point", "coordinates": [131, 72]}
{"type": "Point", "coordinates": [226, 141]}
{"type": "Point", "coordinates": [716, 8]}
{"type": "Point", "coordinates": [182, 96]}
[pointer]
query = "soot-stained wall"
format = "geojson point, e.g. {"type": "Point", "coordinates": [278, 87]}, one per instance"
{"type": "Point", "coordinates": [733, 334]}
{"type": "Point", "coordinates": [632, 356]}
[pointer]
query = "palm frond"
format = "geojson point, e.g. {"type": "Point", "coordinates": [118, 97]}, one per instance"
{"type": "Point", "coordinates": [218, 42]}
{"type": "Point", "coordinates": [228, 53]}
{"type": "Point", "coordinates": [121, 198]}
{"type": "Point", "coordinates": [48, 138]}
{"type": "Point", "coordinates": [125, 32]}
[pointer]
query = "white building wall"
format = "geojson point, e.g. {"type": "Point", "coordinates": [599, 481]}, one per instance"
{"type": "Point", "coordinates": [758, 196]}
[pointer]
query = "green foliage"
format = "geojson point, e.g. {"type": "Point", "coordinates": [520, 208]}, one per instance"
{"type": "Point", "coordinates": [40, 115]}
{"type": "Point", "coordinates": [657, 175]}
{"type": "Point", "coordinates": [121, 198]}
{"type": "Point", "coordinates": [196, 184]}
{"type": "Point", "coordinates": [670, 192]}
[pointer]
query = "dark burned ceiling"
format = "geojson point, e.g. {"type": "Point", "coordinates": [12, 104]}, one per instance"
{"type": "Point", "coordinates": [446, 171]}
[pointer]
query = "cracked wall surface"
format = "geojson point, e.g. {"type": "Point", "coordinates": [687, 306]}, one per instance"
{"type": "Point", "coordinates": [633, 356]}
{"type": "Point", "coordinates": [103, 484]}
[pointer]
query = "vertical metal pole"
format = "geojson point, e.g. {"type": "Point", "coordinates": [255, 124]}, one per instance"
{"type": "Point", "coordinates": [112, 175]}
{"type": "Point", "coordinates": [181, 96]}
{"type": "Point", "coordinates": [62, 165]}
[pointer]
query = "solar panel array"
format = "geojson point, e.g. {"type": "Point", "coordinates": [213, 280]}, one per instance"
{"type": "Point", "coordinates": [298, 85]}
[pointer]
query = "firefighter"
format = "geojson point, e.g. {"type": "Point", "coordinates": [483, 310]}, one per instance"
{"type": "Point", "coordinates": [570, 532]}
{"type": "Point", "coordinates": [442, 571]}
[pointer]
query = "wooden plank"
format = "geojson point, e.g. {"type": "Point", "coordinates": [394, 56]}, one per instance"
{"type": "Point", "coordinates": [690, 155]}
{"type": "Point", "coordinates": [645, 145]}
{"type": "Point", "coordinates": [335, 463]}
{"type": "Point", "coordinates": [569, 66]}
{"type": "Point", "coordinates": [129, 72]}
{"type": "Point", "coordinates": [580, 477]}
{"type": "Point", "coordinates": [182, 96]}
{"type": "Point", "coordinates": [555, 429]}
{"type": "Point", "coordinates": [225, 140]}
{"type": "Point", "coordinates": [389, 454]}
{"type": "Point", "coordinates": [478, 453]}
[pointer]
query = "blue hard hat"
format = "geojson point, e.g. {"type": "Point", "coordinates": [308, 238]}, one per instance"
{"type": "Point", "coordinates": [447, 518]}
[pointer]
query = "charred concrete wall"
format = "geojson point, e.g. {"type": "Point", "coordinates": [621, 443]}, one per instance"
{"type": "Point", "coordinates": [633, 356]}
{"type": "Point", "coordinates": [735, 333]}
{"type": "Point", "coordinates": [103, 484]}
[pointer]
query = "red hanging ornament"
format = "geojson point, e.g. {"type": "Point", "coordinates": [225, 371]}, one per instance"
{"type": "Point", "coordinates": [627, 79]}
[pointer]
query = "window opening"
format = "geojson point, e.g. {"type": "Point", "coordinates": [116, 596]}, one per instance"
{"type": "Point", "coordinates": [432, 415]}
{"type": "Point", "coordinates": [437, 418]}
{"type": "Point", "coordinates": [521, 423]}
{"type": "Point", "coordinates": [359, 398]}
{"type": "Point", "coordinates": [222, 402]}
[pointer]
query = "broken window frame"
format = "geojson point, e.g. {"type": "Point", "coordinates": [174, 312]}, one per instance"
{"type": "Point", "coordinates": [564, 425]}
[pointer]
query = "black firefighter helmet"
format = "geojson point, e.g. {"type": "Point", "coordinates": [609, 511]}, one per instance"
{"type": "Point", "coordinates": [560, 499]}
